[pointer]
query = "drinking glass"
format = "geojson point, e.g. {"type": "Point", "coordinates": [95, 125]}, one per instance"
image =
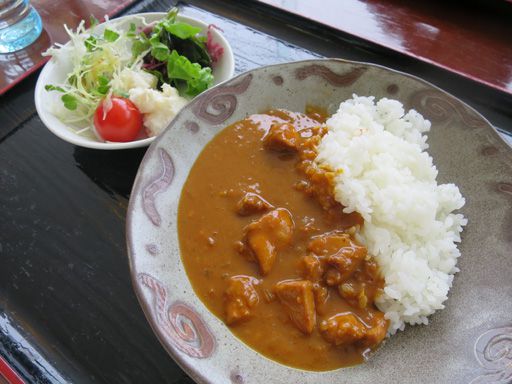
{"type": "Point", "coordinates": [20, 25]}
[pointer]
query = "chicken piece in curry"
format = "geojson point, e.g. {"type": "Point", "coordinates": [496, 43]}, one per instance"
{"type": "Point", "coordinates": [269, 250]}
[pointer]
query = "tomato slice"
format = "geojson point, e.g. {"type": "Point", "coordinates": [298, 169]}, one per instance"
{"type": "Point", "coordinates": [122, 122]}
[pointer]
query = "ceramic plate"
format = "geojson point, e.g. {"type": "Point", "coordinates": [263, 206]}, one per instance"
{"type": "Point", "coordinates": [468, 342]}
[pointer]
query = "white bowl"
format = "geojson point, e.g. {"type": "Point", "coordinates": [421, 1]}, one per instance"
{"type": "Point", "coordinates": [55, 72]}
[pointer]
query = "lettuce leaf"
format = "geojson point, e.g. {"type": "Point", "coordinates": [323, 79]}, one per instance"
{"type": "Point", "coordinates": [181, 30]}
{"type": "Point", "coordinates": [176, 55]}
{"type": "Point", "coordinates": [197, 78]}
{"type": "Point", "coordinates": [110, 35]}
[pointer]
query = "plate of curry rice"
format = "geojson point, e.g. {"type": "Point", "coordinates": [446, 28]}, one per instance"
{"type": "Point", "coordinates": [327, 221]}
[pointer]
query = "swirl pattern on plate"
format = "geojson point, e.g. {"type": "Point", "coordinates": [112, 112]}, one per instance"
{"type": "Point", "coordinates": [439, 107]}
{"type": "Point", "coordinates": [157, 185]}
{"type": "Point", "coordinates": [493, 351]}
{"type": "Point", "coordinates": [336, 79]}
{"type": "Point", "coordinates": [217, 105]}
{"type": "Point", "coordinates": [179, 322]}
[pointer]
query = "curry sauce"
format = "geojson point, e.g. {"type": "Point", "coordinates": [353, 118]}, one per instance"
{"type": "Point", "coordinates": [269, 250]}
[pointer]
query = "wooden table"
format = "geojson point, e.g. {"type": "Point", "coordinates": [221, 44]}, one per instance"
{"type": "Point", "coordinates": [68, 312]}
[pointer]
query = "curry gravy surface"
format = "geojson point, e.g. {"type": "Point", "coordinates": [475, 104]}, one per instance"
{"type": "Point", "coordinates": [233, 163]}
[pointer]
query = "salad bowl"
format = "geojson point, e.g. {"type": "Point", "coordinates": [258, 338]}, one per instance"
{"type": "Point", "coordinates": [56, 71]}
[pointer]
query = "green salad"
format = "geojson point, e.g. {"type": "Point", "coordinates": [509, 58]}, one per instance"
{"type": "Point", "coordinates": [167, 59]}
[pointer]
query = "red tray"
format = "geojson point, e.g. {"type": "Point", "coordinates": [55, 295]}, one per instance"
{"type": "Point", "coordinates": [470, 38]}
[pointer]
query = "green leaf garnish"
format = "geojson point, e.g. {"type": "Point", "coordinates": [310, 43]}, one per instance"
{"type": "Point", "coordinates": [155, 33]}
{"type": "Point", "coordinates": [93, 21]}
{"type": "Point", "coordinates": [132, 30]}
{"type": "Point", "coordinates": [69, 101]}
{"type": "Point", "coordinates": [140, 45]}
{"type": "Point", "coordinates": [182, 51]}
{"type": "Point", "coordinates": [110, 35]}
{"type": "Point", "coordinates": [90, 43]}
{"type": "Point", "coordinates": [159, 51]}
{"type": "Point", "coordinates": [171, 15]}
{"type": "Point", "coordinates": [193, 50]}
{"type": "Point", "coordinates": [103, 86]}
{"type": "Point", "coordinates": [181, 30]}
{"type": "Point", "coordinates": [197, 79]}
{"type": "Point", "coordinates": [72, 80]}
{"type": "Point", "coordinates": [50, 87]}
{"type": "Point", "coordinates": [201, 83]}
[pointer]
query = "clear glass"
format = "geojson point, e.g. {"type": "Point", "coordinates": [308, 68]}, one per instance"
{"type": "Point", "coordinates": [20, 25]}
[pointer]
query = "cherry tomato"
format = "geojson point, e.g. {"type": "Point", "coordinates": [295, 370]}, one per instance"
{"type": "Point", "coordinates": [121, 123]}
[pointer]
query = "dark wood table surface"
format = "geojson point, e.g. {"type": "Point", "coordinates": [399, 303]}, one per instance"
{"type": "Point", "coordinates": [68, 312]}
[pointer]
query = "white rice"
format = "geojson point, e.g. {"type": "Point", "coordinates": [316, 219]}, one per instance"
{"type": "Point", "coordinates": [385, 174]}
